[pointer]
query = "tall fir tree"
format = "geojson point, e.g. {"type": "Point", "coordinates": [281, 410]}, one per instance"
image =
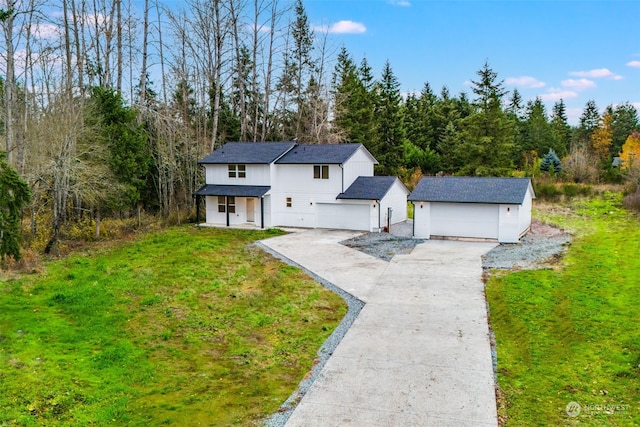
{"type": "Point", "coordinates": [537, 134]}
{"type": "Point", "coordinates": [560, 129]}
{"type": "Point", "coordinates": [488, 141]}
{"type": "Point", "coordinates": [625, 121]}
{"type": "Point", "coordinates": [390, 123]}
{"type": "Point", "coordinates": [588, 123]}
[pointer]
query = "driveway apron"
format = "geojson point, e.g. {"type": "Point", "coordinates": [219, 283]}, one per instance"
{"type": "Point", "coordinates": [419, 352]}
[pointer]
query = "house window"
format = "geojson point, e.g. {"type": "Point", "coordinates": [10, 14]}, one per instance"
{"type": "Point", "coordinates": [289, 202]}
{"type": "Point", "coordinates": [321, 171]}
{"type": "Point", "coordinates": [237, 171]}
{"type": "Point", "coordinates": [222, 204]}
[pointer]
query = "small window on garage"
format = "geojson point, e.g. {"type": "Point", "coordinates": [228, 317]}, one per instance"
{"type": "Point", "coordinates": [221, 204]}
{"type": "Point", "coordinates": [289, 202]}
{"type": "Point", "coordinates": [321, 171]}
{"type": "Point", "coordinates": [232, 204]}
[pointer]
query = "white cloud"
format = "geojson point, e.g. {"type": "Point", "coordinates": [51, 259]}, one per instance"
{"type": "Point", "coordinates": [558, 94]}
{"type": "Point", "coordinates": [342, 27]}
{"type": "Point", "coordinates": [634, 64]}
{"type": "Point", "coordinates": [525, 81]}
{"type": "Point", "coordinates": [573, 115]}
{"type": "Point", "coordinates": [579, 84]}
{"type": "Point", "coordinates": [598, 73]}
{"type": "Point", "coordinates": [46, 31]}
{"type": "Point", "coordinates": [347, 27]}
{"type": "Point", "coordinates": [403, 3]}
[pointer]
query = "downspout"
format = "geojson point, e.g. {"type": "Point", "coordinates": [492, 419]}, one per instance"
{"type": "Point", "coordinates": [342, 185]}
{"type": "Point", "coordinates": [262, 212]}
{"type": "Point", "coordinates": [379, 215]}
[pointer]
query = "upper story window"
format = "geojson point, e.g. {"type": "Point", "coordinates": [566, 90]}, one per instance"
{"type": "Point", "coordinates": [237, 171]}
{"type": "Point", "coordinates": [321, 172]}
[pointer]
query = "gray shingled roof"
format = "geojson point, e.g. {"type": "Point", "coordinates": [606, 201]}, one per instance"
{"type": "Point", "coordinates": [233, 190]}
{"type": "Point", "coordinates": [319, 153]}
{"type": "Point", "coordinates": [368, 188]}
{"type": "Point", "coordinates": [471, 190]}
{"type": "Point", "coordinates": [248, 152]}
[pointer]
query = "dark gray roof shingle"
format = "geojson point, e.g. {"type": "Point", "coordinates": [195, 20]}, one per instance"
{"type": "Point", "coordinates": [368, 188]}
{"type": "Point", "coordinates": [248, 152]}
{"type": "Point", "coordinates": [319, 153]}
{"type": "Point", "coordinates": [233, 190]}
{"type": "Point", "coordinates": [471, 190]}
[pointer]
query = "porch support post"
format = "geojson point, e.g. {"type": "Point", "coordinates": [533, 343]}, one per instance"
{"type": "Point", "coordinates": [198, 209]}
{"type": "Point", "coordinates": [261, 212]}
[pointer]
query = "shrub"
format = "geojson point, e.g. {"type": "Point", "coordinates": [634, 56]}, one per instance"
{"type": "Point", "coordinates": [632, 200]}
{"type": "Point", "coordinates": [547, 191]}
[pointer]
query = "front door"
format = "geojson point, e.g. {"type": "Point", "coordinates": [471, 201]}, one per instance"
{"type": "Point", "coordinates": [251, 213]}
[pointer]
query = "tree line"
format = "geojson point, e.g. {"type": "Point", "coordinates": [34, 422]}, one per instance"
{"type": "Point", "coordinates": [109, 104]}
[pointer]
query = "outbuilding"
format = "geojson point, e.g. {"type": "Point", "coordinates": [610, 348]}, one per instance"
{"type": "Point", "coordinates": [496, 209]}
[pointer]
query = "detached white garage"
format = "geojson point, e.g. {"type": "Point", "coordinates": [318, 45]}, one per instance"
{"type": "Point", "coordinates": [469, 207]}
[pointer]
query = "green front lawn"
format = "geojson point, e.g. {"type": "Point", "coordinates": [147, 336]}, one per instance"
{"type": "Point", "coordinates": [572, 334]}
{"type": "Point", "coordinates": [185, 327]}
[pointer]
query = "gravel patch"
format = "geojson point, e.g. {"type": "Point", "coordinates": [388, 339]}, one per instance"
{"type": "Point", "coordinates": [538, 249]}
{"type": "Point", "coordinates": [280, 418]}
{"type": "Point", "coordinates": [382, 245]}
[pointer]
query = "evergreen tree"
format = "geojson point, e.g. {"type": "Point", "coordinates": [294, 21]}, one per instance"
{"type": "Point", "coordinates": [449, 148]}
{"type": "Point", "coordinates": [560, 129]}
{"type": "Point", "coordinates": [537, 134]}
{"type": "Point", "coordinates": [14, 195]}
{"type": "Point", "coordinates": [588, 123]}
{"type": "Point", "coordinates": [130, 158]}
{"type": "Point", "coordinates": [353, 103]}
{"type": "Point", "coordinates": [390, 123]}
{"type": "Point", "coordinates": [551, 163]}
{"type": "Point", "coordinates": [625, 121]}
{"type": "Point", "coordinates": [488, 141]}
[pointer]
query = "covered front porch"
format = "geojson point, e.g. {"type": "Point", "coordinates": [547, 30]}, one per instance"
{"type": "Point", "coordinates": [232, 205]}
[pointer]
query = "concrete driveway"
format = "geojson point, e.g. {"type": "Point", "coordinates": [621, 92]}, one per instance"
{"type": "Point", "coordinates": [419, 353]}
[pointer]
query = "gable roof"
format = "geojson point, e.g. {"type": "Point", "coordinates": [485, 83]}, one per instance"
{"type": "Point", "coordinates": [471, 190]}
{"type": "Point", "coordinates": [248, 152]}
{"type": "Point", "coordinates": [369, 188]}
{"type": "Point", "coordinates": [321, 153]}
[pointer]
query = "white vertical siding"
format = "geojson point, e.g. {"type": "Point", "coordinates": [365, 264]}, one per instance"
{"type": "Point", "coordinates": [396, 198]}
{"type": "Point", "coordinates": [508, 223]}
{"type": "Point", "coordinates": [219, 174]}
{"type": "Point", "coordinates": [422, 220]}
{"type": "Point", "coordinates": [524, 215]}
{"type": "Point", "coordinates": [298, 183]}
{"type": "Point", "coordinates": [360, 164]}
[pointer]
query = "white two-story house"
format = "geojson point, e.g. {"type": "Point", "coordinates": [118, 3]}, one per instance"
{"type": "Point", "coordinates": [271, 184]}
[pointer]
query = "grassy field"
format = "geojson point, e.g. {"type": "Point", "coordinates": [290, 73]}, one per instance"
{"type": "Point", "coordinates": [184, 327]}
{"type": "Point", "coordinates": [572, 334]}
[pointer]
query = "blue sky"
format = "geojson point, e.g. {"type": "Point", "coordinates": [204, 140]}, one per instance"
{"type": "Point", "coordinates": [569, 49]}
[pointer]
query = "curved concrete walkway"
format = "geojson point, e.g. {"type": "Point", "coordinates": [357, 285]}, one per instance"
{"type": "Point", "coordinates": [419, 353]}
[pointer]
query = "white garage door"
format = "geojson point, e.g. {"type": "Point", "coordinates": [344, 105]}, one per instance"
{"type": "Point", "coordinates": [343, 216]}
{"type": "Point", "coordinates": [464, 220]}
